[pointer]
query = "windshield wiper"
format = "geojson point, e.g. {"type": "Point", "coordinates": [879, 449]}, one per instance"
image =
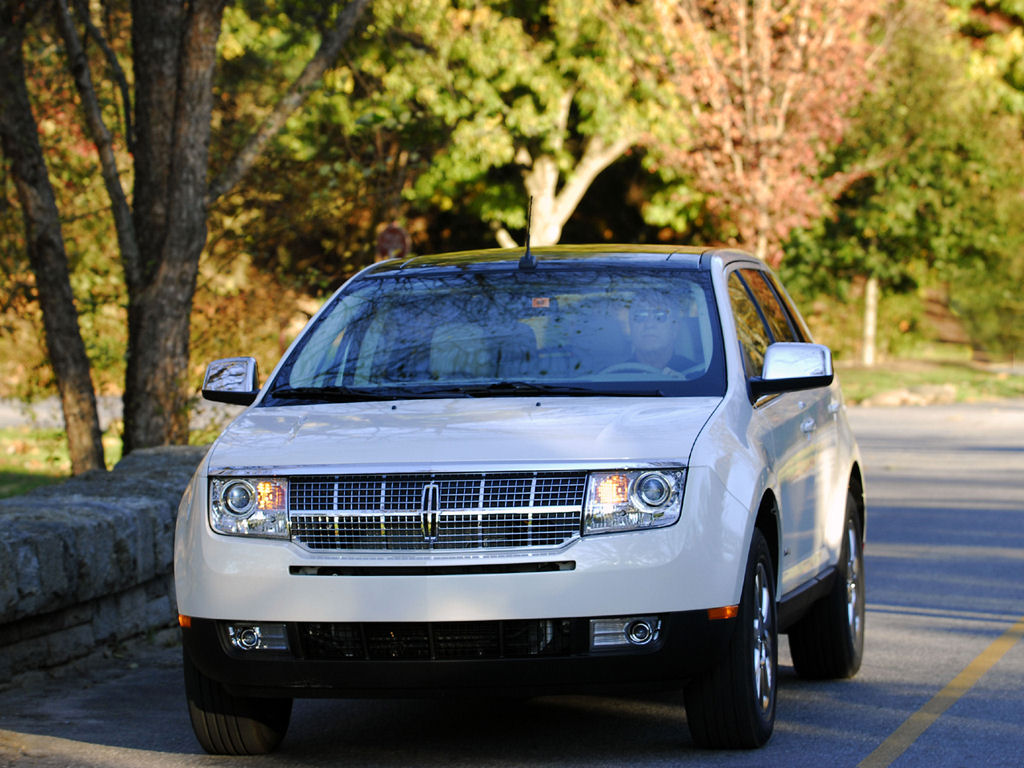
{"type": "Point", "coordinates": [330, 394]}
{"type": "Point", "coordinates": [413, 392]}
{"type": "Point", "coordinates": [336, 394]}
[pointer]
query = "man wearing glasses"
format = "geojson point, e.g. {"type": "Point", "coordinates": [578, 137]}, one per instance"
{"type": "Point", "coordinates": [653, 324]}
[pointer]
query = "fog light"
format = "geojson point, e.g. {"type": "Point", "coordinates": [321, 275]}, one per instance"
{"type": "Point", "coordinates": [623, 632]}
{"type": "Point", "coordinates": [258, 637]}
{"type": "Point", "coordinates": [248, 638]}
{"type": "Point", "coordinates": [640, 632]}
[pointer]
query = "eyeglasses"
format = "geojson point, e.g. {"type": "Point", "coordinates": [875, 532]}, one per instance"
{"type": "Point", "coordinates": [650, 316]}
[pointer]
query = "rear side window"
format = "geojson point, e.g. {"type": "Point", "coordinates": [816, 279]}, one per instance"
{"type": "Point", "coordinates": [803, 334]}
{"type": "Point", "coordinates": [750, 327]}
{"type": "Point", "coordinates": [778, 320]}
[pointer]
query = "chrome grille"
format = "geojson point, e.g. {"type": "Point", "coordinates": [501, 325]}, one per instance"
{"type": "Point", "coordinates": [464, 511]}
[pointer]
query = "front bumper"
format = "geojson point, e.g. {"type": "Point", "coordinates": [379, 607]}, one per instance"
{"type": "Point", "coordinates": [695, 564]}
{"type": "Point", "coordinates": [687, 644]}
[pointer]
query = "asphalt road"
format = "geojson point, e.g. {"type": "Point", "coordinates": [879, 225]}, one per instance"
{"type": "Point", "coordinates": [942, 682]}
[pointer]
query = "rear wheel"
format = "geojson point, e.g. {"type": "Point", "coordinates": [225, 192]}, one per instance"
{"type": "Point", "coordinates": [233, 725]}
{"type": "Point", "coordinates": [732, 706]}
{"type": "Point", "coordinates": [829, 641]}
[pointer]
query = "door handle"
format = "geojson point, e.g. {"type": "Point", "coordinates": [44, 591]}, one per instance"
{"type": "Point", "coordinates": [807, 426]}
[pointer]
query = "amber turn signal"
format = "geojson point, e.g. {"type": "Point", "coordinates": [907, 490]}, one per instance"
{"type": "Point", "coordinates": [725, 612]}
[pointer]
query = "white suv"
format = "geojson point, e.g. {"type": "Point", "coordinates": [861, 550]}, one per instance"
{"type": "Point", "coordinates": [570, 469]}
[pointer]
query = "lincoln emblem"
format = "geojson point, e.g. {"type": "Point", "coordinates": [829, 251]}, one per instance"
{"type": "Point", "coordinates": [430, 502]}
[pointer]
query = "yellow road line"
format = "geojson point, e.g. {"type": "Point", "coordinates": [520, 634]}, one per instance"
{"type": "Point", "coordinates": [901, 739]}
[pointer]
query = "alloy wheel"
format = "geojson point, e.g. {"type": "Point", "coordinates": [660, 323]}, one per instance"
{"type": "Point", "coordinates": [764, 651]}
{"type": "Point", "coordinates": [853, 592]}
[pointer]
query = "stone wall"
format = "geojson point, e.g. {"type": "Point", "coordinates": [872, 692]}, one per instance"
{"type": "Point", "coordinates": [88, 563]}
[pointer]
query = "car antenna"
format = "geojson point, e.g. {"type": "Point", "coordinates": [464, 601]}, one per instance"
{"type": "Point", "coordinates": [528, 260]}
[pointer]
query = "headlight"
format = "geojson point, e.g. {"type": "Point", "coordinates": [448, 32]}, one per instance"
{"type": "Point", "coordinates": [632, 500]}
{"type": "Point", "coordinates": [254, 506]}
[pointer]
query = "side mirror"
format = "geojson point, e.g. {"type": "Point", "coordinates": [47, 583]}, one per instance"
{"type": "Point", "coordinates": [232, 380]}
{"type": "Point", "coordinates": [790, 367]}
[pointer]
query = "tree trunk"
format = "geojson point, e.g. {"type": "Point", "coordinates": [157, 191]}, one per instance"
{"type": "Point", "coordinates": [869, 353]}
{"type": "Point", "coordinates": [175, 48]}
{"type": "Point", "coordinates": [552, 206]}
{"type": "Point", "coordinates": [162, 236]}
{"type": "Point", "coordinates": [20, 143]}
{"type": "Point", "coordinates": [175, 57]}
{"type": "Point", "coordinates": [541, 182]}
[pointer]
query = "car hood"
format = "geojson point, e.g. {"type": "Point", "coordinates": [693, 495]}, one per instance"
{"type": "Point", "coordinates": [424, 435]}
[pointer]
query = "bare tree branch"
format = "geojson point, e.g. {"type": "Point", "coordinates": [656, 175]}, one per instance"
{"type": "Point", "coordinates": [596, 157]}
{"type": "Point", "coordinates": [326, 55]}
{"type": "Point", "coordinates": [82, 11]}
{"type": "Point", "coordinates": [502, 235]}
{"type": "Point", "coordinates": [104, 142]}
{"type": "Point", "coordinates": [562, 119]}
{"type": "Point", "coordinates": [768, 82]}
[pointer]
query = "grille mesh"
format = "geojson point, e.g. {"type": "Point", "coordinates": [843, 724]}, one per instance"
{"type": "Point", "coordinates": [449, 640]}
{"type": "Point", "coordinates": [468, 511]}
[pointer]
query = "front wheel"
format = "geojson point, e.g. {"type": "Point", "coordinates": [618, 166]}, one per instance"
{"type": "Point", "coordinates": [732, 705]}
{"type": "Point", "coordinates": [828, 642]}
{"type": "Point", "coordinates": [233, 725]}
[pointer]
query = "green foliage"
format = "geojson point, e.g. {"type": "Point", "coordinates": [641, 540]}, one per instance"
{"type": "Point", "coordinates": [430, 120]}
{"type": "Point", "coordinates": [904, 329]}
{"type": "Point", "coordinates": [436, 109]}
{"type": "Point", "coordinates": [496, 88]}
{"type": "Point", "coordinates": [995, 29]}
{"type": "Point", "coordinates": [308, 212]}
{"type": "Point", "coordinates": [90, 243]}
{"type": "Point", "coordinates": [991, 306]}
{"type": "Point", "coordinates": [933, 168]}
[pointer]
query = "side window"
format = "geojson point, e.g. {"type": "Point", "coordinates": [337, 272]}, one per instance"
{"type": "Point", "coordinates": [774, 314]}
{"type": "Point", "coordinates": [753, 335]}
{"type": "Point", "coordinates": [794, 316]}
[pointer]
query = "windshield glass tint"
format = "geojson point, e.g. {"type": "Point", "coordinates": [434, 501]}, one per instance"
{"type": "Point", "coordinates": [478, 333]}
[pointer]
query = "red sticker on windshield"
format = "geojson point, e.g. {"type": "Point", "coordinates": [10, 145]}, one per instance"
{"type": "Point", "coordinates": [541, 303]}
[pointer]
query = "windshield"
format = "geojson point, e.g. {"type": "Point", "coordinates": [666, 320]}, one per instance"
{"type": "Point", "coordinates": [479, 333]}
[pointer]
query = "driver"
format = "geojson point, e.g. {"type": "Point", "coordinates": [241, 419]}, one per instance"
{"type": "Point", "coordinates": [653, 324]}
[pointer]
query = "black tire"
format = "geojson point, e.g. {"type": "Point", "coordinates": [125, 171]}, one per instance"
{"type": "Point", "coordinates": [732, 706]}
{"type": "Point", "coordinates": [233, 725]}
{"type": "Point", "coordinates": [828, 642]}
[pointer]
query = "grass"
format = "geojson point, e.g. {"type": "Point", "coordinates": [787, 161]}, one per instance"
{"type": "Point", "coordinates": [972, 383]}
{"type": "Point", "coordinates": [32, 457]}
